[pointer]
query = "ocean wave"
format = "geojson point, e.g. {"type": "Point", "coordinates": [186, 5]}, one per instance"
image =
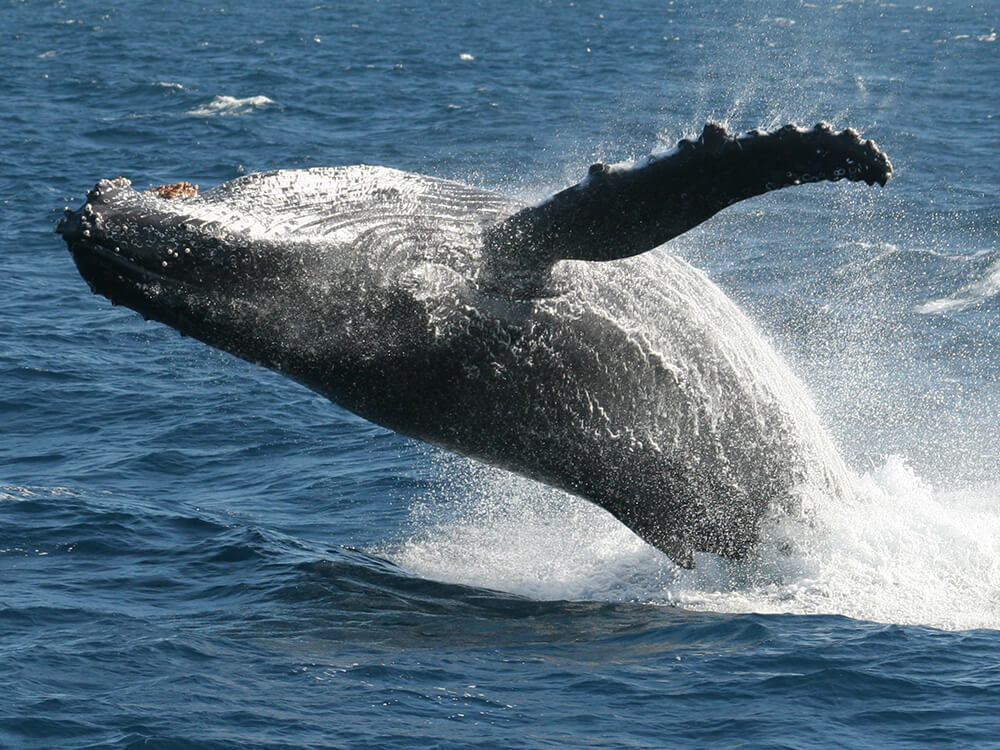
{"type": "Point", "coordinates": [230, 105]}
{"type": "Point", "coordinates": [873, 254]}
{"type": "Point", "coordinates": [970, 295]}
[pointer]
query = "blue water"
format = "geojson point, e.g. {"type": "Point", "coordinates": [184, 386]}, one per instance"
{"type": "Point", "coordinates": [195, 553]}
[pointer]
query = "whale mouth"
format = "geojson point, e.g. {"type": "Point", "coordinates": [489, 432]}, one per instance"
{"type": "Point", "coordinates": [99, 261]}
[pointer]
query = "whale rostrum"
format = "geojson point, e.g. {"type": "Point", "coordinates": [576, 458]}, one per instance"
{"type": "Point", "coordinates": [458, 316]}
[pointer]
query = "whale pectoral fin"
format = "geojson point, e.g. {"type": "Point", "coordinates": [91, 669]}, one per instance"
{"type": "Point", "coordinates": [619, 212]}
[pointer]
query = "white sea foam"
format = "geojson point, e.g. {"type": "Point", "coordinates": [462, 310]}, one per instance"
{"type": "Point", "coordinates": [900, 552]}
{"type": "Point", "coordinates": [231, 105]}
{"type": "Point", "coordinates": [500, 531]}
{"type": "Point", "coordinates": [968, 296]}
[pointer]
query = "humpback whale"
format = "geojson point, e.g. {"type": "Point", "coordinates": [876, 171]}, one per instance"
{"type": "Point", "coordinates": [542, 339]}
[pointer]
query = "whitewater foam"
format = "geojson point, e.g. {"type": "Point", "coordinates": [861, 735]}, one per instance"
{"type": "Point", "coordinates": [968, 296]}
{"type": "Point", "coordinates": [899, 552]}
{"type": "Point", "coordinates": [230, 106]}
{"type": "Point", "coordinates": [489, 528]}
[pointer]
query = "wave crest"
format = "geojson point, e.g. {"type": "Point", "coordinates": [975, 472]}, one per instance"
{"type": "Point", "coordinates": [230, 105]}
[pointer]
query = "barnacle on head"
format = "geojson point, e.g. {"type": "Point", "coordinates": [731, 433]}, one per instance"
{"type": "Point", "coordinates": [176, 190]}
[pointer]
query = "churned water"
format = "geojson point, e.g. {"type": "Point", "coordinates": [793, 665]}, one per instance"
{"type": "Point", "coordinates": [195, 553]}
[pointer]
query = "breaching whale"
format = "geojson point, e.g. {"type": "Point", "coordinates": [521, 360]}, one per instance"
{"type": "Point", "coordinates": [459, 317]}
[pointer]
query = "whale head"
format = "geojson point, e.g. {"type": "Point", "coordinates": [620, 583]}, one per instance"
{"type": "Point", "coordinates": [283, 301]}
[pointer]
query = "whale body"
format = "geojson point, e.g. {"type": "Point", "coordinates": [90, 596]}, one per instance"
{"type": "Point", "coordinates": [541, 339]}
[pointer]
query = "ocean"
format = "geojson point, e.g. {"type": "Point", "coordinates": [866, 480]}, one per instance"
{"type": "Point", "coordinates": [198, 553]}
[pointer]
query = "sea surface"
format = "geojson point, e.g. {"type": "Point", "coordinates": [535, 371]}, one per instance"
{"type": "Point", "coordinates": [198, 553]}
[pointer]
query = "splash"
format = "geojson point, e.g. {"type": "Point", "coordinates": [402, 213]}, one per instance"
{"type": "Point", "coordinates": [493, 529]}
{"type": "Point", "coordinates": [900, 551]}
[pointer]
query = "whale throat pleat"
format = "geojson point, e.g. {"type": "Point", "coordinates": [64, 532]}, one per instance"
{"type": "Point", "coordinates": [344, 202]}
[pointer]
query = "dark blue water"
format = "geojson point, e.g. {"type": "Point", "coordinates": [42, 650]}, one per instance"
{"type": "Point", "coordinates": [195, 553]}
